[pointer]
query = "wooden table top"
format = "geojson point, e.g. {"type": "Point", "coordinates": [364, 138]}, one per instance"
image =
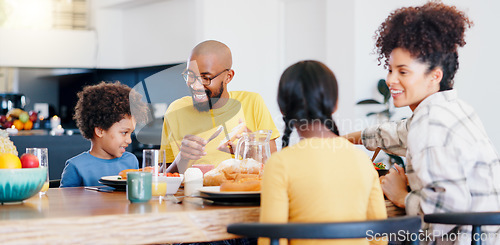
{"type": "Point", "coordinates": [79, 216]}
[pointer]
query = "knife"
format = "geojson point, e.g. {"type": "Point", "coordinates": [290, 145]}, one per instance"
{"type": "Point", "coordinates": [98, 189]}
{"type": "Point", "coordinates": [213, 136]}
{"type": "Point", "coordinates": [216, 133]}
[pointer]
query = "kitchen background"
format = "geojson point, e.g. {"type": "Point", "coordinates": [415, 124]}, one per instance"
{"type": "Point", "coordinates": [129, 40]}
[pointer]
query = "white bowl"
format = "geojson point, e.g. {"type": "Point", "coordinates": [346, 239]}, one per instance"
{"type": "Point", "coordinates": [173, 183]}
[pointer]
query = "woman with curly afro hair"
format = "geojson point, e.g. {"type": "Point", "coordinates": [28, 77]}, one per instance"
{"type": "Point", "coordinates": [451, 164]}
{"type": "Point", "coordinates": [106, 114]}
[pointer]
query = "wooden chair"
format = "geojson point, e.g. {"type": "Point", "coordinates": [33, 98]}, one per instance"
{"type": "Point", "coordinates": [334, 230]}
{"type": "Point", "coordinates": [476, 219]}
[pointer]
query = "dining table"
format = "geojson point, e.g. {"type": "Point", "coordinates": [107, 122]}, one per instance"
{"type": "Point", "coordinates": [81, 216]}
{"type": "Point", "coordinates": [78, 215]}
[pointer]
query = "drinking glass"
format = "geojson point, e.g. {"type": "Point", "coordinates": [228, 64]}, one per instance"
{"type": "Point", "coordinates": [153, 160]}
{"type": "Point", "coordinates": [138, 186]}
{"type": "Point", "coordinates": [43, 158]}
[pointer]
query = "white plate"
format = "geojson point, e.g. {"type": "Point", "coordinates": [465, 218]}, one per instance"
{"type": "Point", "coordinates": [238, 198]}
{"type": "Point", "coordinates": [113, 178]}
{"type": "Point", "coordinates": [216, 190]}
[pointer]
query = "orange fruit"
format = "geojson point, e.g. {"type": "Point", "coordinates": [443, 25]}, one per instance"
{"type": "Point", "coordinates": [9, 160]}
{"type": "Point", "coordinates": [18, 124]}
{"type": "Point", "coordinates": [28, 125]}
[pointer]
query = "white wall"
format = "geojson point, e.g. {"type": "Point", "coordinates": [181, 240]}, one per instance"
{"type": "Point", "coordinates": [476, 80]}
{"type": "Point", "coordinates": [265, 36]}
{"type": "Point", "coordinates": [340, 45]}
{"type": "Point", "coordinates": [46, 48]}
{"type": "Point", "coordinates": [159, 33]}
{"type": "Point", "coordinates": [251, 30]}
{"type": "Point", "coordinates": [107, 23]}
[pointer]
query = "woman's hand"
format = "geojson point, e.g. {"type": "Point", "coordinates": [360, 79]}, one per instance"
{"type": "Point", "coordinates": [394, 186]}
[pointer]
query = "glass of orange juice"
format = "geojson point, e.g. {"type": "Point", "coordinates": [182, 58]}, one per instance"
{"type": "Point", "coordinates": [153, 160]}
{"type": "Point", "coordinates": [43, 158]}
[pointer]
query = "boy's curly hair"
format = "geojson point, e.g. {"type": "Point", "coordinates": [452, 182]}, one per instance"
{"type": "Point", "coordinates": [431, 33]}
{"type": "Point", "coordinates": [105, 104]}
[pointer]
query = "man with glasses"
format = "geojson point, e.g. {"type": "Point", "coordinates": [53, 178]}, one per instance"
{"type": "Point", "coordinates": [191, 121]}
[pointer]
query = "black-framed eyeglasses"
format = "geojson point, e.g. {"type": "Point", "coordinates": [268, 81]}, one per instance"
{"type": "Point", "coordinates": [190, 77]}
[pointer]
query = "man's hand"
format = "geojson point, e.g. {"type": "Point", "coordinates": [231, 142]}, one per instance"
{"type": "Point", "coordinates": [229, 146]}
{"type": "Point", "coordinates": [394, 186]}
{"type": "Point", "coordinates": [192, 148]}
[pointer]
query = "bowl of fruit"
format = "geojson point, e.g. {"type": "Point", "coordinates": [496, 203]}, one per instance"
{"type": "Point", "coordinates": [20, 178]}
{"type": "Point", "coordinates": [174, 181]}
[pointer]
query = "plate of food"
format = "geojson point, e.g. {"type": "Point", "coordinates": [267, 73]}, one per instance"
{"type": "Point", "coordinates": [115, 181]}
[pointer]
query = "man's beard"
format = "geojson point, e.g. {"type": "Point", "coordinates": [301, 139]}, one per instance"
{"type": "Point", "coordinates": [212, 99]}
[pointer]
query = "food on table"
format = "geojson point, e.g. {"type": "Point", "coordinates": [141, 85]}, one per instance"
{"type": "Point", "coordinates": [28, 125]}
{"type": "Point", "coordinates": [18, 124]}
{"type": "Point", "coordinates": [9, 160]}
{"type": "Point", "coordinates": [173, 175]}
{"type": "Point", "coordinates": [33, 116]}
{"type": "Point", "coordinates": [242, 184]}
{"type": "Point", "coordinates": [240, 128]}
{"type": "Point", "coordinates": [20, 119]}
{"type": "Point", "coordinates": [29, 161]}
{"type": "Point", "coordinates": [14, 113]}
{"type": "Point", "coordinates": [229, 170]}
{"type": "Point", "coordinates": [24, 117]}
{"type": "Point", "coordinates": [123, 173]}
{"type": "Point", "coordinates": [379, 166]}
{"type": "Point", "coordinates": [6, 145]}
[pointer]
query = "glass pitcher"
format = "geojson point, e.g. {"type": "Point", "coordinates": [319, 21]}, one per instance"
{"type": "Point", "coordinates": [254, 145]}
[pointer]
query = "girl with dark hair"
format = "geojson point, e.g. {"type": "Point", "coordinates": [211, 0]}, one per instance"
{"type": "Point", "coordinates": [301, 183]}
{"type": "Point", "coordinates": [452, 165]}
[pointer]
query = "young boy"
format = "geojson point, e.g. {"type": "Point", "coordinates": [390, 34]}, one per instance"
{"type": "Point", "coordinates": [103, 115]}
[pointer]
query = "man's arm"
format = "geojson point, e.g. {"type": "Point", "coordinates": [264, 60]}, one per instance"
{"type": "Point", "coordinates": [192, 148]}
{"type": "Point", "coordinates": [272, 146]}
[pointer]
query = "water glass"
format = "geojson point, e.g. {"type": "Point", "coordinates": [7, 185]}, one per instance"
{"type": "Point", "coordinates": [153, 160]}
{"type": "Point", "coordinates": [43, 158]}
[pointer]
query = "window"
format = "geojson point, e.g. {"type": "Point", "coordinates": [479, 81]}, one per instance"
{"type": "Point", "coordinates": [44, 14]}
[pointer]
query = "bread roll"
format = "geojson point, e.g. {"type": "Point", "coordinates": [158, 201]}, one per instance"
{"type": "Point", "coordinates": [243, 185]}
{"type": "Point", "coordinates": [229, 170]}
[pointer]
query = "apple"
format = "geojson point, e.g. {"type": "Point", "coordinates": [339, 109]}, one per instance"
{"type": "Point", "coordinates": [33, 116]}
{"type": "Point", "coordinates": [7, 124]}
{"type": "Point", "coordinates": [24, 117]}
{"type": "Point", "coordinates": [29, 161]}
{"type": "Point", "coordinates": [3, 119]}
